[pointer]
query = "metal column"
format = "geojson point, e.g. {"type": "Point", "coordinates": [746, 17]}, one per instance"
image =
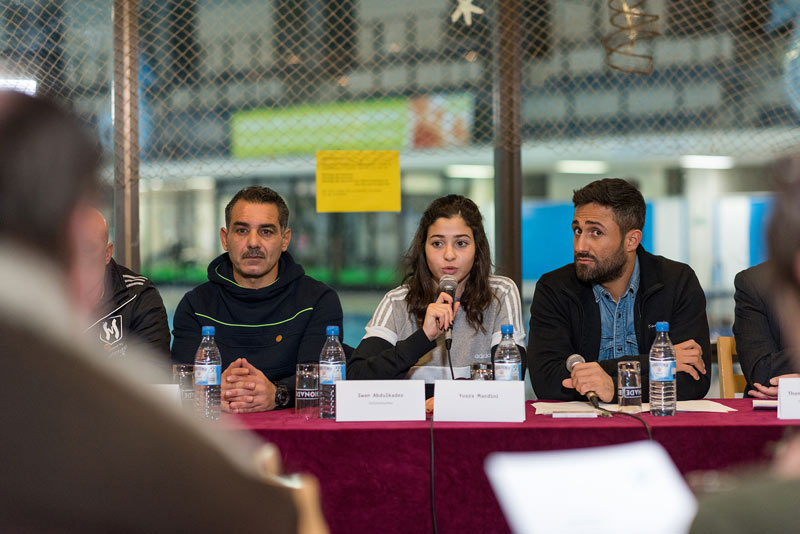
{"type": "Point", "coordinates": [507, 142]}
{"type": "Point", "coordinates": [126, 133]}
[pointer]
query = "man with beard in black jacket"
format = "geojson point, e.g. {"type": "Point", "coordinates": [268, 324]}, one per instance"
{"type": "Point", "coordinates": [604, 306]}
{"type": "Point", "coordinates": [268, 315]}
{"type": "Point", "coordinates": [124, 305]}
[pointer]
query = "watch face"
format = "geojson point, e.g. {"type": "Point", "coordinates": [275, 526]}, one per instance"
{"type": "Point", "coordinates": [281, 396]}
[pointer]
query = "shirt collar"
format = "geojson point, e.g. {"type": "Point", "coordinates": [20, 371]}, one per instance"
{"type": "Point", "coordinates": [633, 284]}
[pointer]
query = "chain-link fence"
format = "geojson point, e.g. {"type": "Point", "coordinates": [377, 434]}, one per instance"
{"type": "Point", "coordinates": [276, 80]}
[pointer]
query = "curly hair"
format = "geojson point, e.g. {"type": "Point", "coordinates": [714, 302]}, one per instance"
{"type": "Point", "coordinates": [423, 287]}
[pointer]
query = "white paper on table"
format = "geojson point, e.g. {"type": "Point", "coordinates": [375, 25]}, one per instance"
{"type": "Point", "coordinates": [703, 405]}
{"type": "Point", "coordinates": [537, 490]}
{"type": "Point", "coordinates": [765, 404]}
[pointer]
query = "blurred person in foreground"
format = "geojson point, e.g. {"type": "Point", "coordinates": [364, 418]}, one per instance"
{"type": "Point", "coordinates": [123, 305]}
{"type": "Point", "coordinates": [87, 448]}
{"type": "Point", "coordinates": [768, 501]}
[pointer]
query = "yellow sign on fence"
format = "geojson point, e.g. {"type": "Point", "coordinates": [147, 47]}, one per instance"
{"type": "Point", "coordinates": [358, 180]}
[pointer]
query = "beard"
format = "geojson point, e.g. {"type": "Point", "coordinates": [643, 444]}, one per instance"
{"type": "Point", "coordinates": [603, 271]}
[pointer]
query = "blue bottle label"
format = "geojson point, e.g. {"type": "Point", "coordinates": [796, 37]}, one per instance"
{"type": "Point", "coordinates": [207, 375]}
{"type": "Point", "coordinates": [507, 371]}
{"type": "Point", "coordinates": [662, 371]}
{"type": "Point", "coordinates": [330, 373]}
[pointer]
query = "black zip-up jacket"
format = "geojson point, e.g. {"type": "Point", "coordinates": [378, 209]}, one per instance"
{"type": "Point", "coordinates": [565, 320]}
{"type": "Point", "coordinates": [131, 308]}
{"type": "Point", "coordinates": [762, 348]}
{"type": "Point", "coordinates": [274, 327]}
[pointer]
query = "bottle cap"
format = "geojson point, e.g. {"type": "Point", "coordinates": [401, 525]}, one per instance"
{"type": "Point", "coordinates": [332, 331]}
{"type": "Point", "coordinates": [208, 330]}
{"type": "Point", "coordinates": [507, 329]}
{"type": "Point", "coordinates": [662, 326]}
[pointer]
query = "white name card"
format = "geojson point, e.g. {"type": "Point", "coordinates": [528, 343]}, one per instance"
{"type": "Point", "coordinates": [380, 400]}
{"type": "Point", "coordinates": [789, 398]}
{"type": "Point", "coordinates": [479, 401]}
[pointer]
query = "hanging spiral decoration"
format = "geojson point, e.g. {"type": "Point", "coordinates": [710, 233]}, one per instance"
{"type": "Point", "coordinates": [625, 49]}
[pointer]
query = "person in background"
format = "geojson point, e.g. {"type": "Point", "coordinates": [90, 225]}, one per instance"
{"type": "Point", "coordinates": [767, 501]}
{"type": "Point", "coordinates": [268, 314]}
{"type": "Point", "coordinates": [604, 306]}
{"type": "Point", "coordinates": [760, 345]}
{"type": "Point", "coordinates": [122, 304]}
{"type": "Point", "coordinates": [86, 446]}
{"type": "Point", "coordinates": [405, 337]}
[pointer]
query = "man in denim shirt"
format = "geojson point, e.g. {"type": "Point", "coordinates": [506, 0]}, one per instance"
{"type": "Point", "coordinates": [604, 306]}
{"type": "Point", "coordinates": [617, 334]}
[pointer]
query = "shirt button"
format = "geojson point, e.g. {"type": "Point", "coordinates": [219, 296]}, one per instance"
{"type": "Point", "coordinates": [619, 348]}
{"type": "Point", "coordinates": [619, 315]}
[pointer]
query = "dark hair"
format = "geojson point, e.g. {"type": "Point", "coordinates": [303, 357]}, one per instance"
{"type": "Point", "coordinates": [259, 195]}
{"type": "Point", "coordinates": [422, 287]}
{"type": "Point", "coordinates": [48, 163]}
{"type": "Point", "coordinates": [620, 195]}
{"type": "Point", "coordinates": [783, 240]}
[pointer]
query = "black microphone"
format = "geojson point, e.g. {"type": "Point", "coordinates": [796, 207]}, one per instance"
{"type": "Point", "coordinates": [448, 284]}
{"type": "Point", "coordinates": [572, 361]}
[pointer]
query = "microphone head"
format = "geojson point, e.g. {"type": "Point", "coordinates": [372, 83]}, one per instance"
{"type": "Point", "coordinates": [448, 284]}
{"type": "Point", "coordinates": [573, 360]}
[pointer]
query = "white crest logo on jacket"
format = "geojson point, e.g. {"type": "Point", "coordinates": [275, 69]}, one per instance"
{"type": "Point", "coordinates": [112, 330]}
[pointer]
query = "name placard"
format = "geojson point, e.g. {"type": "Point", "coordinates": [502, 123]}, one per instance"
{"type": "Point", "coordinates": [789, 398]}
{"type": "Point", "coordinates": [479, 401]}
{"type": "Point", "coordinates": [380, 400]}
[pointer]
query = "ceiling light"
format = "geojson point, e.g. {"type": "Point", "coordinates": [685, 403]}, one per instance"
{"type": "Point", "coordinates": [476, 172]}
{"type": "Point", "coordinates": [581, 167]}
{"type": "Point", "coordinates": [23, 85]}
{"type": "Point", "coordinates": [706, 162]}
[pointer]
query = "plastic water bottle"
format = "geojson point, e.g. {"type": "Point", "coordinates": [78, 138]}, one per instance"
{"type": "Point", "coordinates": [331, 368]}
{"type": "Point", "coordinates": [663, 399]}
{"type": "Point", "coordinates": [507, 361]}
{"type": "Point", "coordinates": [207, 373]}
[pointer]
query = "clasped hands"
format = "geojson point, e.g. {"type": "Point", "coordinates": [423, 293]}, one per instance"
{"type": "Point", "coordinates": [590, 376]}
{"type": "Point", "coordinates": [245, 389]}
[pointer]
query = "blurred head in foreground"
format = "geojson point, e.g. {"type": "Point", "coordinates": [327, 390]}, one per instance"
{"type": "Point", "coordinates": [783, 239]}
{"type": "Point", "coordinates": [48, 171]}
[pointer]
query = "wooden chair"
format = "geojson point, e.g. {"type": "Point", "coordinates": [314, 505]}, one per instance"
{"type": "Point", "coordinates": [729, 383]}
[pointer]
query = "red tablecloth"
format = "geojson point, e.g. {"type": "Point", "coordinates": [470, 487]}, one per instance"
{"type": "Point", "coordinates": [375, 477]}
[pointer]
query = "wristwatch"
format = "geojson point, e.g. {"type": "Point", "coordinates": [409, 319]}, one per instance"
{"type": "Point", "coordinates": [281, 397]}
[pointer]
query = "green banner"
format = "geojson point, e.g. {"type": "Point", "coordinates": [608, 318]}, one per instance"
{"type": "Point", "coordinates": [370, 125]}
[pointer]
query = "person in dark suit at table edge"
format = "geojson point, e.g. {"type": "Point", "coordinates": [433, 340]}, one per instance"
{"type": "Point", "coordinates": [604, 306]}
{"type": "Point", "coordinates": [268, 314]}
{"type": "Point", "coordinates": [404, 338]}
{"type": "Point", "coordinates": [87, 446]}
{"type": "Point", "coordinates": [767, 501]}
{"type": "Point", "coordinates": [760, 345]}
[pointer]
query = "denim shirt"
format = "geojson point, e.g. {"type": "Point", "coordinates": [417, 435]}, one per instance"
{"type": "Point", "coordinates": [617, 330]}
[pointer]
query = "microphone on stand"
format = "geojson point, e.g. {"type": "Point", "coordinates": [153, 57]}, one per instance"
{"type": "Point", "coordinates": [572, 361]}
{"type": "Point", "coordinates": [448, 284]}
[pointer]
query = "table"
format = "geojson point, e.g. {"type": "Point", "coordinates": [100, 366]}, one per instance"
{"type": "Point", "coordinates": [375, 477]}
